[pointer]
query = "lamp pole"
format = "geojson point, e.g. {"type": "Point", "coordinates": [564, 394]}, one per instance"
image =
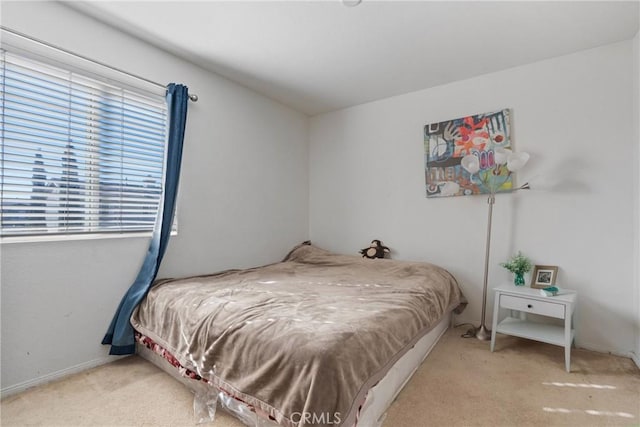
{"type": "Point", "coordinates": [482, 333]}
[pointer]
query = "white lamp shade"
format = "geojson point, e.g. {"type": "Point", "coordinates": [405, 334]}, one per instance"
{"type": "Point", "coordinates": [501, 155]}
{"type": "Point", "coordinates": [470, 163]}
{"type": "Point", "coordinates": [516, 161]}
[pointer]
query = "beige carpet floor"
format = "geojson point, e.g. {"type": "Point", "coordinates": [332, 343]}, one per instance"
{"type": "Point", "coordinates": [461, 383]}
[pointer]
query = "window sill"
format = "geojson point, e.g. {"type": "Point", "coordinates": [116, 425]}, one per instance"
{"type": "Point", "coordinates": [72, 237]}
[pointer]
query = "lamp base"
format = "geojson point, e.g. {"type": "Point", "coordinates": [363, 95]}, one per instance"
{"type": "Point", "coordinates": [483, 334]}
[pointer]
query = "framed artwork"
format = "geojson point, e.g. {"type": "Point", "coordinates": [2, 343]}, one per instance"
{"type": "Point", "coordinates": [446, 143]}
{"type": "Point", "coordinates": [543, 276]}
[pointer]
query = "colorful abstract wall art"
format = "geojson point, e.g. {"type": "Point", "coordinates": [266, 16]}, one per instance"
{"type": "Point", "coordinates": [446, 143]}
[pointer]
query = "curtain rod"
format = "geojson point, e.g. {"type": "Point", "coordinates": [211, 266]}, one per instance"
{"type": "Point", "coordinates": [192, 96]}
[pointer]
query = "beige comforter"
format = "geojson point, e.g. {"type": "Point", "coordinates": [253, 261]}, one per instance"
{"type": "Point", "coordinates": [309, 335]}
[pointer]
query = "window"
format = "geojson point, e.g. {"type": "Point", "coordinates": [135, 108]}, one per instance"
{"type": "Point", "coordinates": [78, 154]}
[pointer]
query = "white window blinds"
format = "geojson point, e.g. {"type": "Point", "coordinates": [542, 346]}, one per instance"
{"type": "Point", "coordinates": [78, 155]}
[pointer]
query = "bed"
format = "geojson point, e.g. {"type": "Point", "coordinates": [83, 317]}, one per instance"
{"type": "Point", "coordinates": [319, 339]}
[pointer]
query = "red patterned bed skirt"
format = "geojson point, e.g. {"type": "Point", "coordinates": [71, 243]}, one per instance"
{"type": "Point", "coordinates": [159, 350]}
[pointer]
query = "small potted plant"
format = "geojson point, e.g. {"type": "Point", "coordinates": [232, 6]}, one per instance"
{"type": "Point", "coordinates": [518, 264]}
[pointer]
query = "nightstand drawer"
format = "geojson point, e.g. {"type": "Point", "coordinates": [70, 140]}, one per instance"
{"type": "Point", "coordinates": [528, 305]}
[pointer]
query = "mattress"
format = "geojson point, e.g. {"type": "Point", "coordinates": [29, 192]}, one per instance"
{"type": "Point", "coordinates": [303, 341]}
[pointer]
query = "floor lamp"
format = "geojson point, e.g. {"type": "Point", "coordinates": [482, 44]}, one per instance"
{"type": "Point", "coordinates": [490, 179]}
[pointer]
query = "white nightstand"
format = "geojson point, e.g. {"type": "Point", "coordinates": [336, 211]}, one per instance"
{"type": "Point", "coordinates": [522, 300]}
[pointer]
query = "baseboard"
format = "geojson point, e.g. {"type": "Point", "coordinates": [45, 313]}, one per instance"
{"type": "Point", "coordinates": [17, 388]}
{"type": "Point", "coordinates": [636, 358]}
{"type": "Point", "coordinates": [598, 349]}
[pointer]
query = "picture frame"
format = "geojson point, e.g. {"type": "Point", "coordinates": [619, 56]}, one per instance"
{"type": "Point", "coordinates": [544, 276]}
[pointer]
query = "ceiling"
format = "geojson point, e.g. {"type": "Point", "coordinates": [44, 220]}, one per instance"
{"type": "Point", "coordinates": [319, 56]}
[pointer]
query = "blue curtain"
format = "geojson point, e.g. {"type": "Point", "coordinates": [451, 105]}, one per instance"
{"type": "Point", "coordinates": [120, 333]}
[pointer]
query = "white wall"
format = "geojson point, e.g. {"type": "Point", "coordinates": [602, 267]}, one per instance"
{"type": "Point", "coordinates": [572, 114]}
{"type": "Point", "coordinates": [243, 202]}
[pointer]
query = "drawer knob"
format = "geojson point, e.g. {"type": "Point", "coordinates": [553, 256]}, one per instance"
{"type": "Point", "coordinates": [529, 306]}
